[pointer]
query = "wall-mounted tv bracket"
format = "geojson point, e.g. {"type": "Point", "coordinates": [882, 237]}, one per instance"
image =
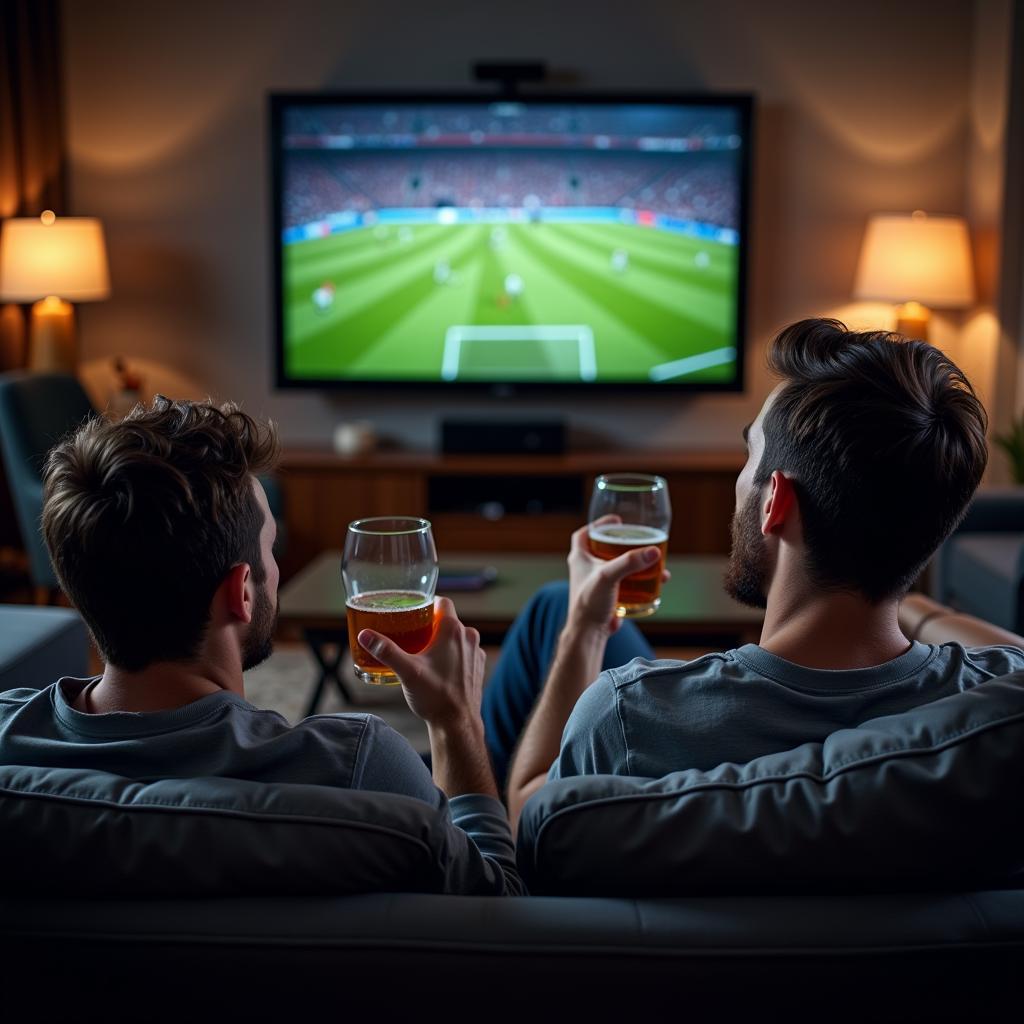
{"type": "Point", "coordinates": [510, 75]}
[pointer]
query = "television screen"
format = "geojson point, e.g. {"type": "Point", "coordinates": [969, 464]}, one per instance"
{"type": "Point", "coordinates": [538, 242]}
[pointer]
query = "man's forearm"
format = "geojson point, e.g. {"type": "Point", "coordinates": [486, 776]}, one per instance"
{"type": "Point", "coordinates": [577, 663]}
{"type": "Point", "coordinates": [460, 760]}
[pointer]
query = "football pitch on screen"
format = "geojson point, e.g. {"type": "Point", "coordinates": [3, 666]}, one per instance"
{"type": "Point", "coordinates": [517, 302]}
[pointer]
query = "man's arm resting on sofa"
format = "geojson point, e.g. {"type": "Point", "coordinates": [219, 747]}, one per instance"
{"type": "Point", "coordinates": [443, 686]}
{"type": "Point", "coordinates": [483, 857]}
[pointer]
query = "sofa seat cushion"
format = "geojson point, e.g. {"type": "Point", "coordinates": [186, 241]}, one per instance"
{"type": "Point", "coordinates": [928, 798]}
{"type": "Point", "coordinates": [74, 832]}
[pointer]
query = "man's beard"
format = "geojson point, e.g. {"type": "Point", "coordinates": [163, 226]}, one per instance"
{"type": "Point", "coordinates": [746, 579]}
{"type": "Point", "coordinates": [259, 641]}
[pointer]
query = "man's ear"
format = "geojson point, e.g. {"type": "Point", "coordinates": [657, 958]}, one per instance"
{"type": "Point", "coordinates": [780, 504]}
{"type": "Point", "coordinates": [236, 591]}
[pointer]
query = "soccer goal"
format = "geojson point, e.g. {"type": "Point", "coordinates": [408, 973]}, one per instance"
{"type": "Point", "coordinates": [519, 352]}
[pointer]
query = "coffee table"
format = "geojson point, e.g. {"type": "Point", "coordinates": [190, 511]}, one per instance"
{"type": "Point", "coordinates": [694, 609]}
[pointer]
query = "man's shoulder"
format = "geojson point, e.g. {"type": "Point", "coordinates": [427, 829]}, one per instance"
{"type": "Point", "coordinates": [20, 695]}
{"type": "Point", "coordinates": [353, 729]}
{"type": "Point", "coordinates": [356, 724]}
{"type": "Point", "coordinates": [666, 671]}
{"type": "Point", "coordinates": [22, 700]}
{"type": "Point", "coordinates": [993, 660]}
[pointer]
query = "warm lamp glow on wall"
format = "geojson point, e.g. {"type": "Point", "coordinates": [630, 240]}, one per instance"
{"type": "Point", "coordinates": [919, 261]}
{"type": "Point", "coordinates": [53, 259]}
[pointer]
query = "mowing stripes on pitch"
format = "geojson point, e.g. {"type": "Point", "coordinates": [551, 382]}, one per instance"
{"type": "Point", "coordinates": [459, 337]}
{"type": "Point", "coordinates": [691, 364]}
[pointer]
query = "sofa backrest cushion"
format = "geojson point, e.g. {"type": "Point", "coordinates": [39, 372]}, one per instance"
{"type": "Point", "coordinates": [928, 798]}
{"type": "Point", "coordinates": [87, 833]}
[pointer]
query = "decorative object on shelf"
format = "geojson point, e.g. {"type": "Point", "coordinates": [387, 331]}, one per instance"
{"type": "Point", "coordinates": [355, 438]}
{"type": "Point", "coordinates": [55, 260]}
{"type": "Point", "coordinates": [127, 392]}
{"type": "Point", "coordinates": [1012, 443]}
{"type": "Point", "coordinates": [918, 261]}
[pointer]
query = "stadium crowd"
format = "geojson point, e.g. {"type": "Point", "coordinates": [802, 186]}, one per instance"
{"type": "Point", "coordinates": [506, 119]}
{"type": "Point", "coordinates": [699, 187]}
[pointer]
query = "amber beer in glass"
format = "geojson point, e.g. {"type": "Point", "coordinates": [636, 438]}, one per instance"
{"type": "Point", "coordinates": [644, 515]}
{"type": "Point", "coordinates": [389, 569]}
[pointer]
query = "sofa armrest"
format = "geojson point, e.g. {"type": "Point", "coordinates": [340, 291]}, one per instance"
{"type": "Point", "coordinates": [995, 510]}
{"type": "Point", "coordinates": [926, 620]}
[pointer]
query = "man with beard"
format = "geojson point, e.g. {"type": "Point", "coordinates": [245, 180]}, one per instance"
{"type": "Point", "coordinates": [162, 538]}
{"type": "Point", "coordinates": [860, 463]}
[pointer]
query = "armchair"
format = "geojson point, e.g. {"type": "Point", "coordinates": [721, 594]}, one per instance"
{"type": "Point", "coordinates": [36, 411]}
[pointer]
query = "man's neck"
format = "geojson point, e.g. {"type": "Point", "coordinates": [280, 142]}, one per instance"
{"type": "Point", "coordinates": [161, 686]}
{"type": "Point", "coordinates": [831, 630]}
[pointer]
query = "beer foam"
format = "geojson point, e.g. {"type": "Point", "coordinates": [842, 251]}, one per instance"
{"type": "Point", "coordinates": [629, 535]}
{"type": "Point", "coordinates": [384, 601]}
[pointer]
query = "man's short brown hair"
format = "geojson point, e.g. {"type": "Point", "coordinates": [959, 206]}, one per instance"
{"type": "Point", "coordinates": [884, 439]}
{"type": "Point", "coordinates": [144, 519]}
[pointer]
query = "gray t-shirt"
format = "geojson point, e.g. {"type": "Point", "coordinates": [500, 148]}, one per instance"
{"type": "Point", "coordinates": [224, 736]}
{"type": "Point", "coordinates": [650, 718]}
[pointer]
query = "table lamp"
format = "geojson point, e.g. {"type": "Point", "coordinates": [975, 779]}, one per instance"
{"type": "Point", "coordinates": [53, 259]}
{"type": "Point", "coordinates": [918, 261]}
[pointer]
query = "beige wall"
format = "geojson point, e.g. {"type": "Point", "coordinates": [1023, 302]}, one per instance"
{"type": "Point", "coordinates": [862, 107]}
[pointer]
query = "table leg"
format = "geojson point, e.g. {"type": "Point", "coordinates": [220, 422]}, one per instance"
{"type": "Point", "coordinates": [320, 641]}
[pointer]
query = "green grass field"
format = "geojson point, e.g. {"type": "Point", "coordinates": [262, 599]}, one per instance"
{"type": "Point", "coordinates": [397, 315]}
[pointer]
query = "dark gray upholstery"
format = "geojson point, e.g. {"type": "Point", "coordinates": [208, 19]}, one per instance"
{"type": "Point", "coordinates": [945, 779]}
{"type": "Point", "coordinates": [924, 799]}
{"type": "Point", "coordinates": [941, 956]}
{"type": "Point", "coordinates": [980, 568]}
{"type": "Point", "coordinates": [36, 411]}
{"type": "Point", "coordinates": [985, 577]}
{"type": "Point", "coordinates": [224, 837]}
{"type": "Point", "coordinates": [39, 645]}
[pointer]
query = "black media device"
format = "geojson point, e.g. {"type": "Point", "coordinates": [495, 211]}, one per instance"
{"type": "Point", "coordinates": [478, 437]}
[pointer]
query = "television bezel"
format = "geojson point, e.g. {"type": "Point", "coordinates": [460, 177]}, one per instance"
{"type": "Point", "coordinates": [279, 102]}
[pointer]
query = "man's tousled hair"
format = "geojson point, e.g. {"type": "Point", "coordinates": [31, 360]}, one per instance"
{"type": "Point", "coordinates": [884, 440]}
{"type": "Point", "coordinates": [145, 517]}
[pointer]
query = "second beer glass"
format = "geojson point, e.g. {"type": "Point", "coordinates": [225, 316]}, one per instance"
{"type": "Point", "coordinates": [642, 505]}
{"type": "Point", "coordinates": [389, 569]}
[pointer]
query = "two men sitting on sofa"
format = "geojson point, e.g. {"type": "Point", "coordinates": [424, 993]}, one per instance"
{"type": "Point", "coordinates": [860, 463]}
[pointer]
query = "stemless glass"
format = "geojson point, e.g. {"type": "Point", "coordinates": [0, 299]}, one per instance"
{"type": "Point", "coordinates": [389, 569]}
{"type": "Point", "coordinates": [642, 506]}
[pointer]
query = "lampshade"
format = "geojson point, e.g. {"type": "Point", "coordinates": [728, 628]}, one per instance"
{"type": "Point", "coordinates": [916, 258]}
{"type": "Point", "coordinates": [62, 256]}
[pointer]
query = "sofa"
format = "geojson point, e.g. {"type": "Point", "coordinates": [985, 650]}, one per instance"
{"type": "Point", "coordinates": [980, 567]}
{"type": "Point", "coordinates": [38, 645]}
{"type": "Point", "coordinates": [872, 877]}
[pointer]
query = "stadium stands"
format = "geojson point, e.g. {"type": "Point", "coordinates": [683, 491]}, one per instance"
{"type": "Point", "coordinates": [695, 186]}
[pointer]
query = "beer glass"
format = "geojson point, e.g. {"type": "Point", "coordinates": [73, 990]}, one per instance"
{"type": "Point", "coordinates": [389, 569]}
{"type": "Point", "coordinates": [642, 506]}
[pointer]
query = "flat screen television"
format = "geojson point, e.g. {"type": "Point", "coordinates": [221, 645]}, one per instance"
{"type": "Point", "coordinates": [459, 242]}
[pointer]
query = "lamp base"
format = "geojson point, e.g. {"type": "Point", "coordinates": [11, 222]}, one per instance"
{"type": "Point", "coordinates": [52, 336]}
{"type": "Point", "coordinates": [912, 320]}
